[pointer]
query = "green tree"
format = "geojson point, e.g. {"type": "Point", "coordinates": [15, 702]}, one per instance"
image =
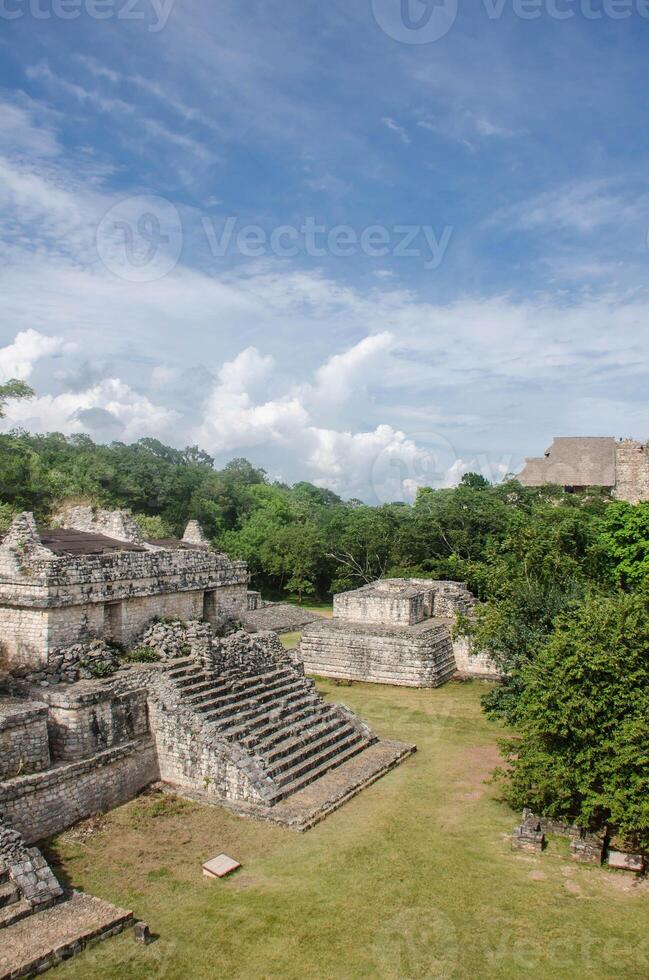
{"type": "Point", "coordinates": [583, 754]}
{"type": "Point", "coordinates": [625, 539]}
{"type": "Point", "coordinates": [13, 389]}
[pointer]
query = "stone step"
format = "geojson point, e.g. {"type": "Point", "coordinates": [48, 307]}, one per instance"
{"type": "Point", "coordinates": [9, 894]}
{"type": "Point", "coordinates": [214, 712]}
{"type": "Point", "coordinates": [259, 693]}
{"type": "Point", "coordinates": [274, 722]}
{"type": "Point", "coordinates": [286, 740]}
{"type": "Point", "coordinates": [316, 771]}
{"type": "Point", "coordinates": [305, 754]}
{"type": "Point", "coordinates": [176, 667]}
{"type": "Point", "coordinates": [279, 730]}
{"type": "Point", "coordinates": [247, 726]}
{"type": "Point", "coordinates": [14, 913]}
{"type": "Point", "coordinates": [190, 677]}
{"type": "Point", "coordinates": [199, 686]}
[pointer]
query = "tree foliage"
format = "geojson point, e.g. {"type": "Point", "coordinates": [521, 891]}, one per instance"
{"type": "Point", "coordinates": [584, 717]}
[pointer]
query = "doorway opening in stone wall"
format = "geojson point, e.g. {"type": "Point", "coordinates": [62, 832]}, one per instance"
{"type": "Point", "coordinates": [113, 622]}
{"type": "Point", "coordinates": [209, 606]}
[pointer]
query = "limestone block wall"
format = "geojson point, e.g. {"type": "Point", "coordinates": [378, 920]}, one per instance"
{"type": "Point", "coordinates": [379, 607]}
{"type": "Point", "coordinates": [631, 471]}
{"type": "Point", "coordinates": [24, 745]}
{"type": "Point", "coordinates": [474, 665]}
{"type": "Point", "coordinates": [415, 657]}
{"type": "Point", "coordinates": [48, 802]}
{"type": "Point", "coordinates": [23, 637]}
{"type": "Point", "coordinates": [88, 717]}
{"type": "Point", "coordinates": [190, 753]}
{"type": "Point", "coordinates": [73, 624]}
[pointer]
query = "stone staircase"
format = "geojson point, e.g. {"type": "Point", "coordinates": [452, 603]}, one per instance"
{"type": "Point", "coordinates": [13, 906]}
{"type": "Point", "coordinates": [274, 715]}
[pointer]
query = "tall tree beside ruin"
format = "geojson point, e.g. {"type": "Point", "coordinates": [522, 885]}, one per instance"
{"type": "Point", "coordinates": [583, 754]}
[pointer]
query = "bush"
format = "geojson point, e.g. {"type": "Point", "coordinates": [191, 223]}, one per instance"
{"type": "Point", "coordinates": [141, 655]}
{"type": "Point", "coordinates": [583, 754]}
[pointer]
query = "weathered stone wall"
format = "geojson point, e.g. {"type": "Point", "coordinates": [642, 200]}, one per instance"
{"type": "Point", "coordinates": [419, 656]}
{"type": "Point", "coordinates": [23, 637]}
{"type": "Point", "coordinates": [48, 802]}
{"type": "Point", "coordinates": [631, 471]}
{"type": "Point", "coordinates": [90, 716]}
{"type": "Point", "coordinates": [473, 664]}
{"type": "Point", "coordinates": [403, 602]}
{"type": "Point", "coordinates": [116, 524]}
{"type": "Point", "coordinates": [74, 624]}
{"type": "Point", "coordinates": [190, 753]}
{"type": "Point", "coordinates": [28, 870]}
{"type": "Point", "coordinates": [49, 604]}
{"type": "Point", "coordinates": [24, 746]}
{"type": "Point", "coordinates": [379, 603]}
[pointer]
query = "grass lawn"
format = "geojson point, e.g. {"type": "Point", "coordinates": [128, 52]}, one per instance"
{"type": "Point", "coordinates": [291, 640]}
{"type": "Point", "coordinates": [322, 608]}
{"type": "Point", "coordinates": [414, 878]}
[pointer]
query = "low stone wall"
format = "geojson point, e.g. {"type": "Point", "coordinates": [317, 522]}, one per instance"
{"type": "Point", "coordinates": [48, 802]}
{"type": "Point", "coordinates": [23, 637]}
{"type": "Point", "coordinates": [24, 746]}
{"type": "Point", "coordinates": [470, 664]}
{"type": "Point", "coordinates": [88, 717]}
{"type": "Point", "coordinates": [416, 656]}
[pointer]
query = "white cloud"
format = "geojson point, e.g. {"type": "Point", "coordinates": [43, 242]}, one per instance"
{"type": "Point", "coordinates": [345, 373]}
{"type": "Point", "coordinates": [18, 359]}
{"type": "Point", "coordinates": [132, 415]}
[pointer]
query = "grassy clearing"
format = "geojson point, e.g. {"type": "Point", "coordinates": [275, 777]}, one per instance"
{"type": "Point", "coordinates": [291, 640]}
{"type": "Point", "coordinates": [413, 878]}
{"type": "Point", "coordinates": [321, 608]}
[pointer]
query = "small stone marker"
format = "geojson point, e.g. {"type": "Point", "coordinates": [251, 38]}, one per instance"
{"type": "Point", "coordinates": [142, 933]}
{"type": "Point", "coordinates": [220, 866]}
{"type": "Point", "coordinates": [625, 861]}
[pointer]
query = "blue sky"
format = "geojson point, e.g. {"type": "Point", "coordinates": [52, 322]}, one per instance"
{"type": "Point", "coordinates": [204, 210]}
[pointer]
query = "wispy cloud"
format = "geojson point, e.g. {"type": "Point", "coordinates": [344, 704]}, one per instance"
{"type": "Point", "coordinates": [394, 127]}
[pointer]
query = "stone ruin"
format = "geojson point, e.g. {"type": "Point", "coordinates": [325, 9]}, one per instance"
{"type": "Point", "coordinates": [577, 462]}
{"type": "Point", "coordinates": [396, 631]}
{"type": "Point", "coordinates": [586, 847]}
{"type": "Point", "coordinates": [123, 666]}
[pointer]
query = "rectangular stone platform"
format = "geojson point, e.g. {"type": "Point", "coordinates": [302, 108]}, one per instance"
{"type": "Point", "coordinates": [43, 940]}
{"type": "Point", "coordinates": [306, 808]}
{"type": "Point", "coordinates": [420, 655]}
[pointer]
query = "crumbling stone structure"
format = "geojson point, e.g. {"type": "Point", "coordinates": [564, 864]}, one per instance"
{"type": "Point", "coordinates": [575, 463]}
{"type": "Point", "coordinates": [395, 631]}
{"type": "Point", "coordinates": [218, 714]}
{"type": "Point", "coordinates": [77, 583]}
